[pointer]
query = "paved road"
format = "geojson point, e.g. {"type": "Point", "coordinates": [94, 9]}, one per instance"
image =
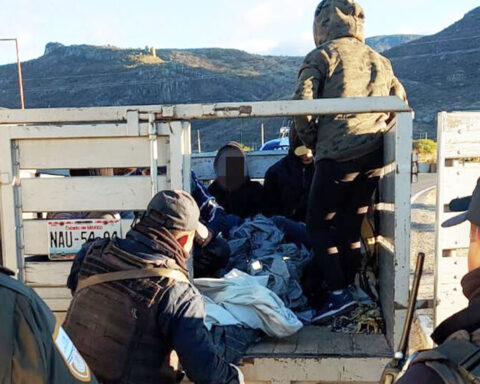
{"type": "Point", "coordinates": [425, 180]}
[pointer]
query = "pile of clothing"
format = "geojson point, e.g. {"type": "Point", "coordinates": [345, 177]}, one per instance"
{"type": "Point", "coordinates": [258, 248]}
{"type": "Point", "coordinates": [260, 286]}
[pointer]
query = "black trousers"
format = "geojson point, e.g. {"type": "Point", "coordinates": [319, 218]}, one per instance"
{"type": "Point", "coordinates": [339, 198]}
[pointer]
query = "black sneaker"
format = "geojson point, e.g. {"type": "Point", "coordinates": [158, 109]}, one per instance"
{"type": "Point", "coordinates": [336, 304]}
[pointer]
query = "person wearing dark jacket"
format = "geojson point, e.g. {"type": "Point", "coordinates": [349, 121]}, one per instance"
{"type": "Point", "coordinates": [232, 188]}
{"type": "Point", "coordinates": [32, 348]}
{"type": "Point", "coordinates": [133, 303]}
{"type": "Point", "coordinates": [348, 149]}
{"type": "Point", "coordinates": [455, 359]}
{"type": "Point", "coordinates": [287, 182]}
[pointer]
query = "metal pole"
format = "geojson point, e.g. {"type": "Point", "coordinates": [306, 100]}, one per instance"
{"type": "Point", "coordinates": [20, 77]}
{"type": "Point", "coordinates": [19, 73]}
{"type": "Point", "coordinates": [262, 133]}
{"type": "Point", "coordinates": [199, 141]}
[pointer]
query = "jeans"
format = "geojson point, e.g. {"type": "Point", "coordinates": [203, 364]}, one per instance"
{"type": "Point", "coordinates": [339, 199]}
{"type": "Point", "coordinates": [295, 232]}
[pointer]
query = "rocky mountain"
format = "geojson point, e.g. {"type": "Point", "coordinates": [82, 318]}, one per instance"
{"type": "Point", "coordinates": [440, 72]}
{"type": "Point", "coordinates": [82, 75]}
{"type": "Point", "coordinates": [383, 43]}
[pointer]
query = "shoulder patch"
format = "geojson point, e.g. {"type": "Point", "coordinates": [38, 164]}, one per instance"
{"type": "Point", "coordinates": [74, 361]}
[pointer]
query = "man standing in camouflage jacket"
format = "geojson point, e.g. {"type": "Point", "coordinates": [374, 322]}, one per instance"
{"type": "Point", "coordinates": [348, 147]}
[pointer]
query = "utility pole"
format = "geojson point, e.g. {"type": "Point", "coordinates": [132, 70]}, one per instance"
{"type": "Point", "coordinates": [262, 134]}
{"type": "Point", "coordinates": [19, 73]}
{"type": "Point", "coordinates": [199, 141]}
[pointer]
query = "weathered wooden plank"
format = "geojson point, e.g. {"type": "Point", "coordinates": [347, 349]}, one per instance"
{"type": "Point", "coordinates": [35, 233]}
{"type": "Point", "coordinates": [286, 108]}
{"type": "Point", "coordinates": [387, 288]}
{"type": "Point", "coordinates": [387, 188]}
{"type": "Point", "coordinates": [53, 293]}
{"type": "Point", "coordinates": [460, 181]}
{"type": "Point", "coordinates": [88, 193]}
{"type": "Point", "coordinates": [307, 343]}
{"type": "Point", "coordinates": [387, 225]}
{"type": "Point", "coordinates": [90, 153]}
{"type": "Point", "coordinates": [207, 111]}
{"type": "Point", "coordinates": [187, 154]}
{"type": "Point", "coordinates": [454, 237]}
{"type": "Point", "coordinates": [7, 206]}
{"type": "Point", "coordinates": [178, 148]}
{"type": "Point", "coordinates": [459, 138]}
{"type": "Point", "coordinates": [461, 135]}
{"type": "Point", "coordinates": [314, 370]}
{"type": "Point", "coordinates": [334, 344]}
{"type": "Point", "coordinates": [257, 163]}
{"type": "Point", "coordinates": [263, 348]}
{"type": "Point", "coordinates": [47, 274]}
{"type": "Point", "coordinates": [72, 130]}
{"type": "Point", "coordinates": [313, 341]}
{"type": "Point", "coordinates": [389, 149]}
{"type": "Point", "coordinates": [365, 345]}
{"type": "Point", "coordinates": [58, 305]}
{"type": "Point", "coordinates": [449, 274]}
{"type": "Point", "coordinates": [286, 346]}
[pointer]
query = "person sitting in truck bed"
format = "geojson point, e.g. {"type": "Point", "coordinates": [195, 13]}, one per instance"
{"type": "Point", "coordinates": [348, 148]}
{"type": "Point", "coordinates": [232, 188]}
{"type": "Point", "coordinates": [458, 338]}
{"type": "Point", "coordinates": [287, 182]}
{"type": "Point", "coordinates": [133, 303]}
{"type": "Point", "coordinates": [219, 222]}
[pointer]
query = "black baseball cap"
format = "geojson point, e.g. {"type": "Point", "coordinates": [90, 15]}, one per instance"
{"type": "Point", "coordinates": [177, 209]}
{"type": "Point", "coordinates": [469, 206]}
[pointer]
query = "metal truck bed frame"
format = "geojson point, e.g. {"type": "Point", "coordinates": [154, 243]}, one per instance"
{"type": "Point", "coordinates": [159, 136]}
{"type": "Point", "coordinates": [458, 143]}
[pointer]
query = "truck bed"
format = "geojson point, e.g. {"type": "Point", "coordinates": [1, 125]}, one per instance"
{"type": "Point", "coordinates": [317, 342]}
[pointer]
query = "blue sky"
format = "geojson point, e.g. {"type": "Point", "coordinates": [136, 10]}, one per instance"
{"type": "Point", "coordinates": [257, 26]}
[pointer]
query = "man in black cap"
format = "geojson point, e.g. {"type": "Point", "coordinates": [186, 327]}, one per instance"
{"type": "Point", "coordinates": [32, 348]}
{"type": "Point", "coordinates": [457, 358]}
{"type": "Point", "coordinates": [133, 303]}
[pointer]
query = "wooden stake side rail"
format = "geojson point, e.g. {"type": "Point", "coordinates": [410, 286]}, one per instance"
{"type": "Point", "coordinates": [458, 138]}
{"type": "Point", "coordinates": [159, 137]}
{"type": "Point", "coordinates": [80, 194]}
{"type": "Point", "coordinates": [206, 111]}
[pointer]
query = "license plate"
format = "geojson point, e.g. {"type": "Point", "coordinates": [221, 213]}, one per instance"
{"type": "Point", "coordinates": [66, 237]}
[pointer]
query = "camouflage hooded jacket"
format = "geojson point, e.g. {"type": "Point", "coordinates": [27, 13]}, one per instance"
{"type": "Point", "coordinates": [342, 65]}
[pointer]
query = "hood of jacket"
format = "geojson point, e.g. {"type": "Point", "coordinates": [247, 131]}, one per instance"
{"type": "Point", "coordinates": [228, 149]}
{"type": "Point", "coordinates": [338, 18]}
{"type": "Point", "coordinates": [230, 166]}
